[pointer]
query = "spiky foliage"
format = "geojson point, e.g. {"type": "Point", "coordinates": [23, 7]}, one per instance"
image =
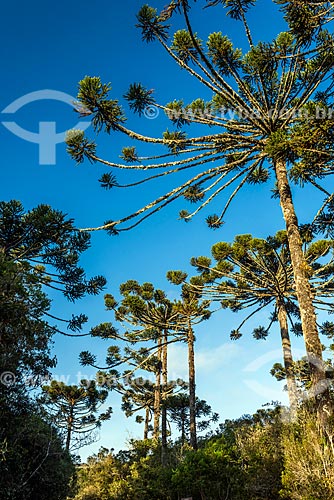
{"type": "Point", "coordinates": [75, 409]}
{"type": "Point", "coordinates": [273, 109]}
{"type": "Point", "coordinates": [271, 93]}
{"type": "Point", "coordinates": [143, 308]}
{"type": "Point", "coordinates": [79, 147]}
{"type": "Point", "coordinates": [93, 100]}
{"type": "Point", "coordinates": [178, 411]}
{"type": "Point", "coordinates": [43, 247]}
{"type": "Point", "coordinates": [191, 310]}
{"type": "Point", "coordinates": [108, 180]}
{"type": "Point", "coordinates": [139, 98]}
{"type": "Point", "coordinates": [254, 274]}
{"type": "Point", "coordinates": [151, 25]}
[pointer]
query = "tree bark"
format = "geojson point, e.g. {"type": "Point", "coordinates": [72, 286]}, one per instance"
{"type": "Point", "coordinates": [164, 377]}
{"type": "Point", "coordinates": [147, 419]}
{"type": "Point", "coordinates": [69, 430]}
{"type": "Point", "coordinates": [303, 289]}
{"type": "Point", "coordinates": [192, 387]}
{"type": "Point", "coordinates": [287, 357]}
{"type": "Point", "coordinates": [183, 431]}
{"type": "Point", "coordinates": [68, 439]}
{"type": "Point", "coordinates": [157, 396]}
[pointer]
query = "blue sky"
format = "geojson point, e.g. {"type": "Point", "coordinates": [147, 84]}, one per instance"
{"type": "Point", "coordinates": [53, 46]}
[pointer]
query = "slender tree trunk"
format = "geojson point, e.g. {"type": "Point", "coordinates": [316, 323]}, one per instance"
{"type": "Point", "coordinates": [192, 387]}
{"type": "Point", "coordinates": [183, 431]}
{"type": "Point", "coordinates": [147, 420]}
{"type": "Point", "coordinates": [164, 376]}
{"type": "Point", "coordinates": [157, 396]}
{"type": "Point", "coordinates": [68, 438]}
{"type": "Point", "coordinates": [287, 357]}
{"type": "Point", "coordinates": [303, 289]}
{"type": "Point", "coordinates": [69, 430]}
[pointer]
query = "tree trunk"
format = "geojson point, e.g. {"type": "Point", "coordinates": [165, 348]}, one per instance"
{"type": "Point", "coordinates": [157, 395]}
{"type": "Point", "coordinates": [287, 357]}
{"type": "Point", "coordinates": [147, 420]}
{"type": "Point", "coordinates": [164, 376]}
{"type": "Point", "coordinates": [69, 430]}
{"type": "Point", "coordinates": [303, 289]}
{"type": "Point", "coordinates": [68, 439]}
{"type": "Point", "coordinates": [192, 387]}
{"type": "Point", "coordinates": [183, 431]}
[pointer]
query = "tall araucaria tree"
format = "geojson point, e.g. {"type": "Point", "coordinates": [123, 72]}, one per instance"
{"type": "Point", "coordinates": [39, 252]}
{"type": "Point", "coordinates": [75, 409]}
{"type": "Point", "coordinates": [152, 319]}
{"type": "Point", "coordinates": [269, 115]}
{"type": "Point", "coordinates": [191, 310]}
{"type": "Point", "coordinates": [254, 274]}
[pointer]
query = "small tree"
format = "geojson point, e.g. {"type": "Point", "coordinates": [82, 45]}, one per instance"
{"type": "Point", "coordinates": [39, 251]}
{"type": "Point", "coordinates": [269, 113]}
{"type": "Point", "coordinates": [152, 319]}
{"type": "Point", "coordinates": [190, 311]}
{"type": "Point", "coordinates": [178, 412]}
{"type": "Point", "coordinates": [75, 409]}
{"type": "Point", "coordinates": [138, 395]}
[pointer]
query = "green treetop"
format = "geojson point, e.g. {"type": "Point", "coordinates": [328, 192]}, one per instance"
{"type": "Point", "coordinates": [254, 274]}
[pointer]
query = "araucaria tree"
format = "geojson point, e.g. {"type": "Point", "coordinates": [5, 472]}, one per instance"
{"type": "Point", "coordinates": [191, 310]}
{"type": "Point", "coordinates": [269, 116]}
{"type": "Point", "coordinates": [152, 319]}
{"type": "Point", "coordinates": [138, 395]}
{"type": "Point", "coordinates": [39, 251]}
{"type": "Point", "coordinates": [178, 410]}
{"type": "Point", "coordinates": [252, 274]}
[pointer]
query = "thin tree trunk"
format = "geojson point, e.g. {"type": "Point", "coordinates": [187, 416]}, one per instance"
{"type": "Point", "coordinates": [287, 357]}
{"type": "Point", "coordinates": [183, 432]}
{"type": "Point", "coordinates": [147, 419]}
{"type": "Point", "coordinates": [68, 439]}
{"type": "Point", "coordinates": [303, 289]}
{"type": "Point", "coordinates": [192, 387]}
{"type": "Point", "coordinates": [164, 376]}
{"type": "Point", "coordinates": [69, 430]}
{"type": "Point", "coordinates": [157, 395]}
